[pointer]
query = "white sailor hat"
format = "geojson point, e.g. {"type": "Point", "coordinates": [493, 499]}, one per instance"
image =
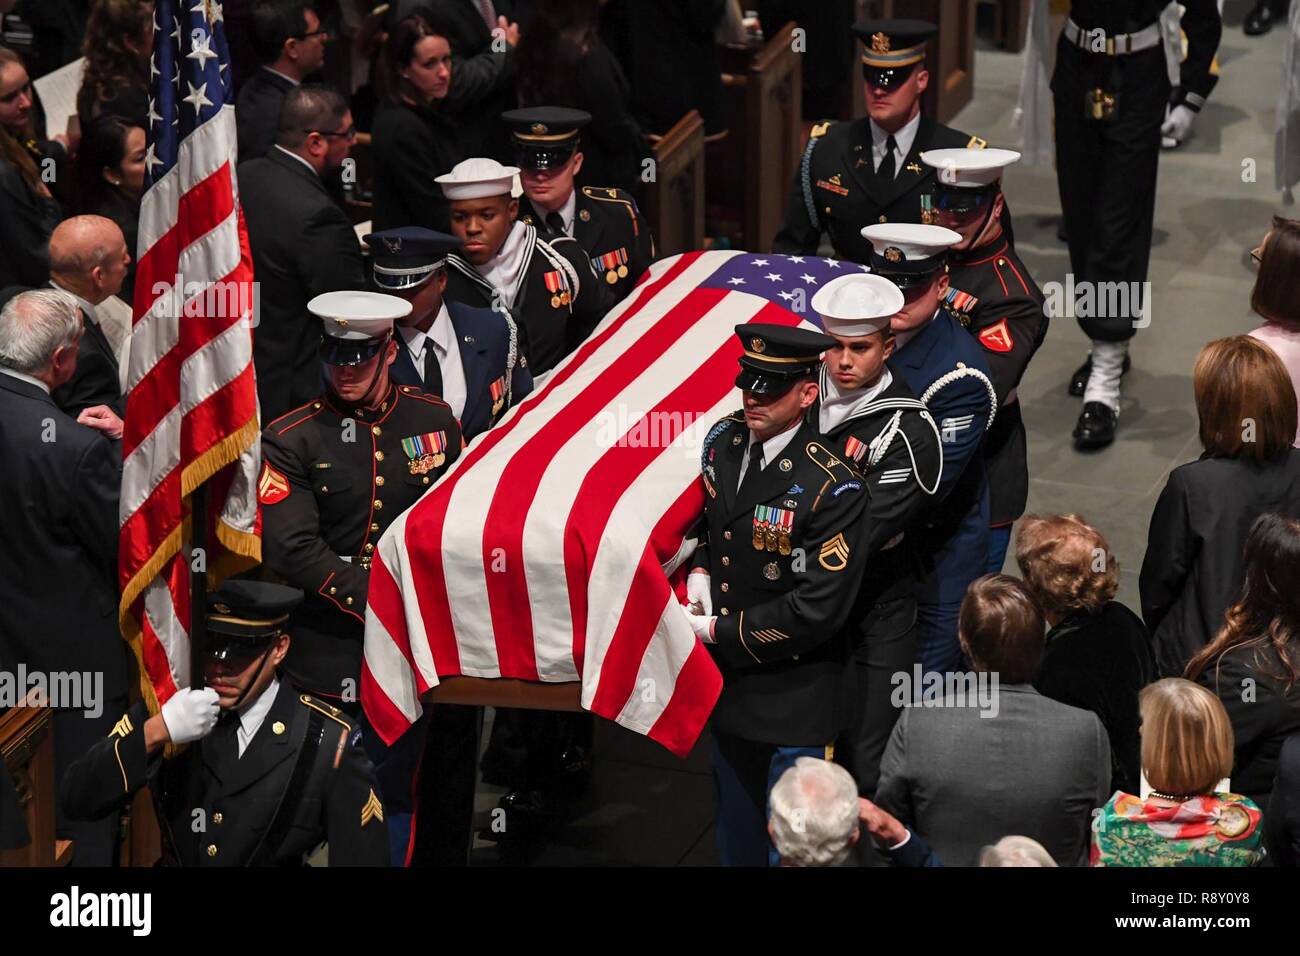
{"type": "Point", "coordinates": [356, 324]}
{"type": "Point", "coordinates": [479, 178]}
{"type": "Point", "coordinates": [908, 253]}
{"type": "Point", "coordinates": [857, 304]}
{"type": "Point", "coordinates": [969, 168]}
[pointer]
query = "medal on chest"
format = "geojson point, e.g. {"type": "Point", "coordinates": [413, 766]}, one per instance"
{"type": "Point", "coordinates": [558, 287]}
{"type": "Point", "coordinates": [613, 264]}
{"type": "Point", "coordinates": [772, 528]}
{"type": "Point", "coordinates": [426, 452]}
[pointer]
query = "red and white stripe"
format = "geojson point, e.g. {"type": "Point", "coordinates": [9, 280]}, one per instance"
{"type": "Point", "coordinates": [191, 413]}
{"type": "Point", "coordinates": [541, 554]}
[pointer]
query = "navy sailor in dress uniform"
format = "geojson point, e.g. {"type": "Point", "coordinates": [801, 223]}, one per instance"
{"type": "Point", "coordinates": [869, 170]}
{"type": "Point", "coordinates": [945, 367]}
{"type": "Point", "coordinates": [269, 774]}
{"type": "Point", "coordinates": [336, 473]}
{"type": "Point", "coordinates": [547, 286]}
{"type": "Point", "coordinates": [871, 419]}
{"type": "Point", "coordinates": [604, 220]}
{"type": "Point", "coordinates": [995, 297]}
{"type": "Point", "coordinates": [771, 587]}
{"type": "Point", "coordinates": [466, 356]}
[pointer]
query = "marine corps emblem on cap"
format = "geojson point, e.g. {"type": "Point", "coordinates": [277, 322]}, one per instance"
{"type": "Point", "coordinates": [342, 323]}
{"type": "Point", "coordinates": [879, 43]}
{"type": "Point", "coordinates": [393, 245]}
{"type": "Point", "coordinates": [537, 129]}
{"type": "Point", "coordinates": [893, 254]}
{"type": "Point", "coordinates": [757, 344]}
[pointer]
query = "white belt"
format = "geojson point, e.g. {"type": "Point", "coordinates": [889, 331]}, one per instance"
{"type": "Point", "coordinates": [1117, 45]}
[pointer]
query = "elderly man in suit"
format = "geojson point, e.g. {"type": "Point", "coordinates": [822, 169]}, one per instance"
{"type": "Point", "coordinates": [290, 43]}
{"type": "Point", "coordinates": [302, 243]}
{"type": "Point", "coordinates": [977, 756]}
{"type": "Point", "coordinates": [58, 505]}
{"type": "Point", "coordinates": [89, 260]}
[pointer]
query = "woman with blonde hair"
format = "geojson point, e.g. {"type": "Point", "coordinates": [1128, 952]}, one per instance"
{"type": "Point", "coordinates": [1098, 653]}
{"type": "Point", "coordinates": [1183, 821]}
{"type": "Point", "coordinates": [1193, 568]}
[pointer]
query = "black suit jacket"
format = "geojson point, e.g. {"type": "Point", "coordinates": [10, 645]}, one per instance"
{"type": "Point", "coordinates": [26, 221]}
{"type": "Point", "coordinates": [59, 485]}
{"type": "Point", "coordinates": [1282, 819]}
{"type": "Point", "coordinates": [95, 380]}
{"type": "Point", "coordinates": [257, 112]}
{"type": "Point", "coordinates": [1193, 565]}
{"type": "Point", "coordinates": [302, 245]}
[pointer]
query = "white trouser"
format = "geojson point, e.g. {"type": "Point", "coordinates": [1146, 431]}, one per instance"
{"type": "Point", "coordinates": [1107, 366]}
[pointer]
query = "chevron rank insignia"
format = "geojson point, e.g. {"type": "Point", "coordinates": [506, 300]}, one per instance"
{"type": "Point", "coordinates": [272, 486]}
{"type": "Point", "coordinates": [997, 337]}
{"type": "Point", "coordinates": [373, 810]}
{"type": "Point", "coordinates": [834, 554]}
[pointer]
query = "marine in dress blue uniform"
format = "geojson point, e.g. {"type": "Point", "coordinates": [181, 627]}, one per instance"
{"type": "Point", "coordinates": [991, 291]}
{"type": "Point", "coordinates": [874, 421]}
{"type": "Point", "coordinates": [771, 587]}
{"type": "Point", "coordinates": [468, 357]}
{"type": "Point", "coordinates": [945, 367]}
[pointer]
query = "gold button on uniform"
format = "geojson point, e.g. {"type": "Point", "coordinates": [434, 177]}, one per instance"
{"type": "Point", "coordinates": [379, 456]}
{"type": "Point", "coordinates": [726, 535]}
{"type": "Point", "coordinates": [324, 487]}
{"type": "Point", "coordinates": [334, 590]}
{"type": "Point", "coordinates": [883, 219]}
{"type": "Point", "coordinates": [376, 430]}
{"type": "Point", "coordinates": [426, 479]}
{"type": "Point", "coordinates": [725, 612]}
{"type": "Point", "coordinates": [1002, 262]}
{"type": "Point", "coordinates": [217, 818]}
{"type": "Point", "coordinates": [725, 587]}
{"type": "Point", "coordinates": [212, 849]}
{"type": "Point", "coordinates": [369, 548]}
{"type": "Point", "coordinates": [374, 526]}
{"type": "Point", "coordinates": [379, 480]}
{"type": "Point", "coordinates": [348, 600]}
{"type": "Point", "coordinates": [379, 505]}
{"type": "Point", "coordinates": [726, 561]}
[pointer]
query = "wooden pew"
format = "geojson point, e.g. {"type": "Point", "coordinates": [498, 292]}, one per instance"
{"type": "Point", "coordinates": [675, 199]}
{"type": "Point", "coordinates": [27, 748]}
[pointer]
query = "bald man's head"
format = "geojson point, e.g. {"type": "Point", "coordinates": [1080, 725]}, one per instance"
{"type": "Point", "coordinates": [88, 257]}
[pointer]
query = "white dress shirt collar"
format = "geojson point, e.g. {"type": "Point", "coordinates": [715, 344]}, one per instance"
{"type": "Point", "coordinates": [567, 212]}
{"type": "Point", "coordinates": [251, 715]}
{"type": "Point", "coordinates": [283, 76]}
{"type": "Point", "coordinates": [772, 448]}
{"type": "Point", "coordinates": [24, 377]}
{"type": "Point", "coordinates": [87, 310]}
{"type": "Point", "coordinates": [903, 140]}
{"type": "Point", "coordinates": [289, 152]}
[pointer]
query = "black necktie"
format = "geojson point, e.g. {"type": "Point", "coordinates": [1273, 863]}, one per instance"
{"type": "Point", "coordinates": [555, 224]}
{"type": "Point", "coordinates": [432, 370]}
{"type": "Point", "coordinates": [753, 470]}
{"type": "Point", "coordinates": [887, 165]}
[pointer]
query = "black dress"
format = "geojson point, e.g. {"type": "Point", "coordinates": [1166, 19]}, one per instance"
{"type": "Point", "coordinates": [1263, 711]}
{"type": "Point", "coordinates": [26, 221]}
{"type": "Point", "coordinates": [1099, 663]}
{"type": "Point", "coordinates": [412, 145]}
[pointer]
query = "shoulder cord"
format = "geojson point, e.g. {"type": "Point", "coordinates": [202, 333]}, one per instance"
{"type": "Point", "coordinates": [886, 438]}
{"type": "Point", "coordinates": [960, 373]}
{"type": "Point", "coordinates": [805, 180]}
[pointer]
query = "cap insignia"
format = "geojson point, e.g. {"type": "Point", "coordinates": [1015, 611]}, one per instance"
{"type": "Point", "coordinates": [538, 129]}
{"type": "Point", "coordinates": [893, 254]}
{"type": "Point", "coordinates": [879, 43]}
{"type": "Point", "coordinates": [221, 608]}
{"type": "Point", "coordinates": [757, 344]}
{"type": "Point", "coordinates": [394, 245]}
{"type": "Point", "coordinates": [342, 323]}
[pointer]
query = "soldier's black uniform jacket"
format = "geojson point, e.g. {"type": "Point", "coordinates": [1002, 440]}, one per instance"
{"type": "Point", "coordinates": [780, 609]}
{"type": "Point", "coordinates": [895, 443]}
{"type": "Point", "coordinates": [304, 779]}
{"type": "Point", "coordinates": [609, 226]}
{"type": "Point", "coordinates": [836, 189]}
{"type": "Point", "coordinates": [996, 299]}
{"type": "Point", "coordinates": [333, 479]}
{"type": "Point", "coordinates": [557, 303]}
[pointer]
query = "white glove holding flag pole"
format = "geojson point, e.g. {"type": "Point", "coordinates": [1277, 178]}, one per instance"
{"type": "Point", "coordinates": [190, 714]}
{"type": "Point", "coordinates": [702, 625]}
{"type": "Point", "coordinates": [1177, 126]}
{"type": "Point", "coordinates": [699, 590]}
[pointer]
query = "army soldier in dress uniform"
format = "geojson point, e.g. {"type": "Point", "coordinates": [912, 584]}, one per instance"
{"type": "Point", "coordinates": [336, 473]}
{"type": "Point", "coordinates": [873, 420]}
{"type": "Point", "coordinates": [271, 773]}
{"type": "Point", "coordinates": [468, 357]}
{"type": "Point", "coordinates": [870, 170]}
{"type": "Point", "coordinates": [772, 586]}
{"type": "Point", "coordinates": [546, 285]}
{"type": "Point", "coordinates": [604, 220]}
{"type": "Point", "coordinates": [1111, 91]}
{"type": "Point", "coordinates": [994, 296]}
{"type": "Point", "coordinates": [944, 367]}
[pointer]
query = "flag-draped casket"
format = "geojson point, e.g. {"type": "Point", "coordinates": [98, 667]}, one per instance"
{"type": "Point", "coordinates": [547, 552]}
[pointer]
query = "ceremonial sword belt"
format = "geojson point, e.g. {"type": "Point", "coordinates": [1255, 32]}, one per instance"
{"type": "Point", "coordinates": [1119, 44]}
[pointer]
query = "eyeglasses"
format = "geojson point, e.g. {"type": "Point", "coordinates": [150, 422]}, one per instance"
{"type": "Point", "coordinates": [314, 33]}
{"type": "Point", "coordinates": [349, 134]}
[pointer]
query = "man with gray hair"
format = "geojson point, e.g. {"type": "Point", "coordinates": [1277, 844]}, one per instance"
{"type": "Point", "coordinates": [302, 243]}
{"type": "Point", "coordinates": [89, 260]}
{"type": "Point", "coordinates": [814, 814]}
{"type": "Point", "coordinates": [59, 487]}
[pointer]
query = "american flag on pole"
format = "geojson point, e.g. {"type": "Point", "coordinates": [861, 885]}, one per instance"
{"type": "Point", "coordinates": [191, 412]}
{"type": "Point", "coordinates": [551, 549]}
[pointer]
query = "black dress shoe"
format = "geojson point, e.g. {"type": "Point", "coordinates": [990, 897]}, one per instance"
{"type": "Point", "coordinates": [1096, 427]}
{"type": "Point", "coordinates": [1079, 380]}
{"type": "Point", "coordinates": [1260, 20]}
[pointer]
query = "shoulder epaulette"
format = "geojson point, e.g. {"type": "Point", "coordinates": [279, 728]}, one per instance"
{"type": "Point", "coordinates": [330, 711]}
{"type": "Point", "coordinates": [838, 470]}
{"type": "Point", "coordinates": [294, 418]}
{"type": "Point", "coordinates": [612, 195]}
{"type": "Point", "coordinates": [412, 391]}
{"type": "Point", "coordinates": [976, 143]}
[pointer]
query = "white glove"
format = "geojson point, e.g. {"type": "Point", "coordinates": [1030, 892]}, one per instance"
{"type": "Point", "coordinates": [699, 590]}
{"type": "Point", "coordinates": [190, 714]}
{"type": "Point", "coordinates": [1178, 123]}
{"type": "Point", "coordinates": [701, 624]}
